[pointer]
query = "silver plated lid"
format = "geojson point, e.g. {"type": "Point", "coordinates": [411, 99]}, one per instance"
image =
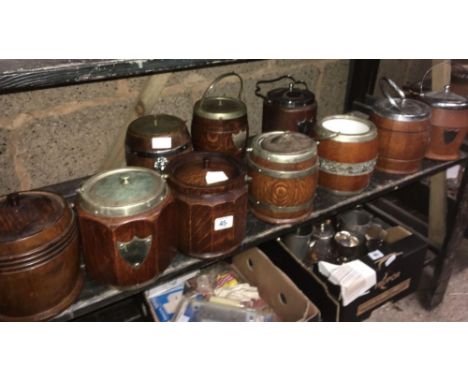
{"type": "Point", "coordinates": [284, 147]}
{"type": "Point", "coordinates": [121, 192]}
{"type": "Point", "coordinates": [408, 110]}
{"type": "Point", "coordinates": [155, 125]}
{"type": "Point", "coordinates": [346, 128]}
{"type": "Point", "coordinates": [220, 108]}
{"type": "Point", "coordinates": [445, 99]}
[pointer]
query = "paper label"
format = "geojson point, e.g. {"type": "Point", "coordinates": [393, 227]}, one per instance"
{"type": "Point", "coordinates": [452, 172]}
{"type": "Point", "coordinates": [161, 142]}
{"type": "Point", "coordinates": [375, 255]}
{"type": "Point", "coordinates": [223, 223]}
{"type": "Point", "coordinates": [215, 177]}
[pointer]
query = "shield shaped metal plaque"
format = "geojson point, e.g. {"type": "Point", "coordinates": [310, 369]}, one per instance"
{"type": "Point", "coordinates": [449, 136]}
{"type": "Point", "coordinates": [136, 250]}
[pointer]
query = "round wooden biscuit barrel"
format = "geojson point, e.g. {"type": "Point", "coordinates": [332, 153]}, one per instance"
{"type": "Point", "coordinates": [211, 198]}
{"type": "Point", "coordinates": [403, 132]}
{"type": "Point", "coordinates": [39, 256]}
{"type": "Point", "coordinates": [127, 225]}
{"type": "Point", "coordinates": [292, 108]}
{"type": "Point", "coordinates": [152, 140]}
{"type": "Point", "coordinates": [283, 172]}
{"type": "Point", "coordinates": [449, 123]}
{"type": "Point", "coordinates": [220, 123]}
{"type": "Point", "coordinates": [347, 153]}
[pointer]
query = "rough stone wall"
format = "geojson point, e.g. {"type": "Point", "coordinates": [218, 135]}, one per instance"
{"type": "Point", "coordinates": [53, 135]}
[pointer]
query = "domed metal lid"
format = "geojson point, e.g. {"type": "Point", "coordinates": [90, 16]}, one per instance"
{"type": "Point", "coordinates": [445, 99]}
{"type": "Point", "coordinates": [28, 213]}
{"type": "Point", "coordinates": [155, 125]}
{"type": "Point", "coordinates": [220, 108]}
{"type": "Point", "coordinates": [122, 192]}
{"type": "Point", "coordinates": [284, 147]}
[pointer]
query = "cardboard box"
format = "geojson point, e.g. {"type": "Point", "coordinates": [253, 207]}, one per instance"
{"type": "Point", "coordinates": [274, 286]}
{"type": "Point", "coordinates": [395, 278]}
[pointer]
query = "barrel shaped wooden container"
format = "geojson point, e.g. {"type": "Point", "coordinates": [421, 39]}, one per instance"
{"type": "Point", "coordinates": [127, 225]}
{"type": "Point", "coordinates": [219, 123]}
{"type": "Point", "coordinates": [292, 108]}
{"type": "Point", "coordinates": [152, 140]}
{"type": "Point", "coordinates": [347, 153]}
{"type": "Point", "coordinates": [403, 135]}
{"type": "Point", "coordinates": [211, 199]}
{"type": "Point", "coordinates": [448, 130]}
{"type": "Point", "coordinates": [283, 172]}
{"type": "Point", "coordinates": [39, 256]}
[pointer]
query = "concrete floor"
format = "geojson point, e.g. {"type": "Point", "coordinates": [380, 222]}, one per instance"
{"type": "Point", "coordinates": [454, 307]}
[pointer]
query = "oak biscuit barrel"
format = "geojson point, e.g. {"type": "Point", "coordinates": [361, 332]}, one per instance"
{"type": "Point", "coordinates": [347, 153]}
{"type": "Point", "coordinates": [291, 108]}
{"type": "Point", "coordinates": [39, 256]}
{"type": "Point", "coordinates": [220, 123]}
{"type": "Point", "coordinates": [152, 140]}
{"type": "Point", "coordinates": [211, 198]}
{"type": "Point", "coordinates": [449, 123]}
{"type": "Point", "coordinates": [283, 172]}
{"type": "Point", "coordinates": [403, 131]}
{"type": "Point", "coordinates": [127, 225]}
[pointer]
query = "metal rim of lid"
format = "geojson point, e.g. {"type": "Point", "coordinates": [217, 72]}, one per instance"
{"type": "Point", "coordinates": [239, 111]}
{"type": "Point", "coordinates": [94, 207]}
{"type": "Point", "coordinates": [294, 157]}
{"type": "Point", "coordinates": [349, 138]}
{"type": "Point", "coordinates": [280, 96]}
{"type": "Point", "coordinates": [138, 126]}
{"type": "Point", "coordinates": [437, 100]}
{"type": "Point", "coordinates": [384, 109]}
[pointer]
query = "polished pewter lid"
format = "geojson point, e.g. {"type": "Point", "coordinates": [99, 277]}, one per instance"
{"type": "Point", "coordinates": [156, 125]}
{"type": "Point", "coordinates": [408, 110]}
{"type": "Point", "coordinates": [284, 147]}
{"type": "Point", "coordinates": [125, 191]}
{"type": "Point", "coordinates": [221, 107]}
{"type": "Point", "coordinates": [445, 99]}
{"type": "Point", "coordinates": [346, 128]}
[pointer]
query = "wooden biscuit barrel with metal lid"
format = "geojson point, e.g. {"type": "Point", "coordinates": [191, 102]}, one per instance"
{"type": "Point", "coordinates": [347, 153]}
{"type": "Point", "coordinates": [220, 123]}
{"type": "Point", "coordinates": [283, 171]}
{"type": "Point", "coordinates": [127, 225]}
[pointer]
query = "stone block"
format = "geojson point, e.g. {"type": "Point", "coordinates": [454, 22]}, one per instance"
{"type": "Point", "coordinates": [9, 181]}
{"type": "Point", "coordinates": [332, 88]}
{"type": "Point", "coordinates": [60, 148]}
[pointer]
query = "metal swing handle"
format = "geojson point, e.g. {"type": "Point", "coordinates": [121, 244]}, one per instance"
{"type": "Point", "coordinates": [218, 79]}
{"type": "Point", "coordinates": [383, 82]}
{"type": "Point", "coordinates": [291, 85]}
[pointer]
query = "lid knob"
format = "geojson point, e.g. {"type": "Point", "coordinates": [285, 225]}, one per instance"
{"type": "Point", "coordinates": [124, 179]}
{"type": "Point", "coordinates": [206, 162]}
{"type": "Point", "coordinates": [447, 89]}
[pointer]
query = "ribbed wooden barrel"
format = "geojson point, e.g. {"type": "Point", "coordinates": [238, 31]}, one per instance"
{"type": "Point", "coordinates": [152, 140]}
{"type": "Point", "coordinates": [220, 123]}
{"type": "Point", "coordinates": [127, 225]}
{"type": "Point", "coordinates": [403, 135]}
{"type": "Point", "coordinates": [283, 172]}
{"type": "Point", "coordinates": [449, 124]}
{"type": "Point", "coordinates": [211, 201]}
{"type": "Point", "coordinates": [39, 256]}
{"type": "Point", "coordinates": [347, 153]}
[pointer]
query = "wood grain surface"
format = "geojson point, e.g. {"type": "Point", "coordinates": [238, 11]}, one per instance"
{"type": "Point", "coordinates": [99, 237]}
{"type": "Point", "coordinates": [279, 118]}
{"type": "Point", "coordinates": [217, 135]}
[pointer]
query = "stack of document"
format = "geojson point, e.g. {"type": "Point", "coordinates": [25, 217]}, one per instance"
{"type": "Point", "coordinates": [355, 278]}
